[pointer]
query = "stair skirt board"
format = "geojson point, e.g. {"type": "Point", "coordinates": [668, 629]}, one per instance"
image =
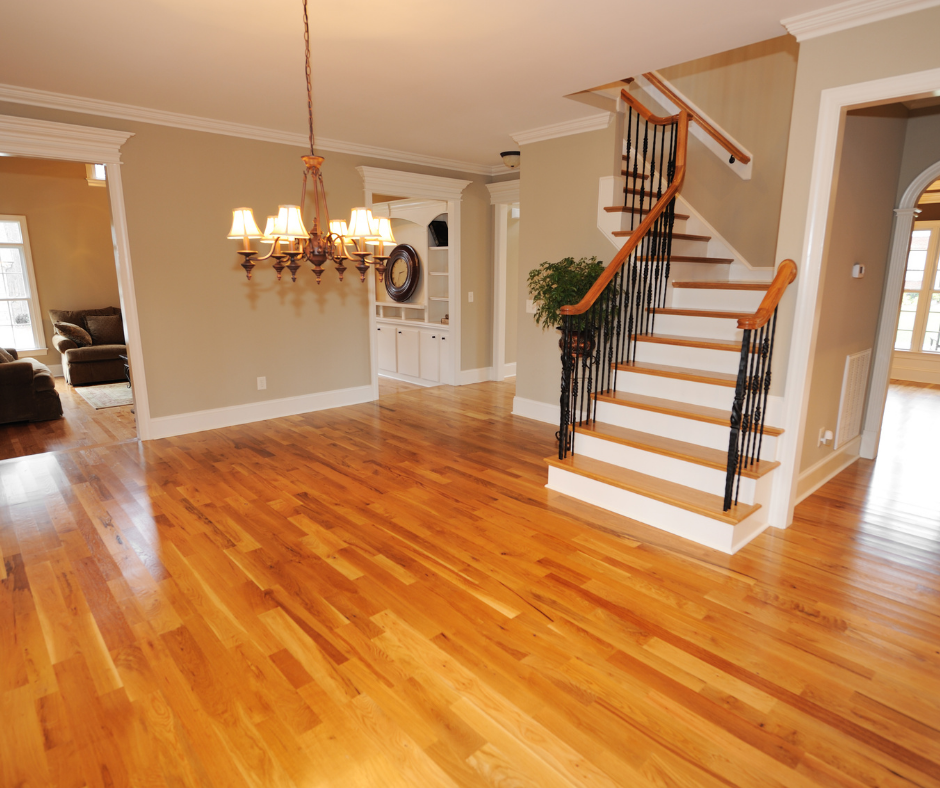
{"type": "Point", "coordinates": [707, 394]}
{"type": "Point", "coordinates": [703, 433]}
{"type": "Point", "coordinates": [671, 469]}
{"type": "Point", "coordinates": [725, 300]}
{"type": "Point", "coordinates": [688, 357]}
{"type": "Point", "coordinates": [694, 326]}
{"type": "Point", "coordinates": [688, 525]}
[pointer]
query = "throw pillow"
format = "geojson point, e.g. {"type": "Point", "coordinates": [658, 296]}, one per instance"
{"type": "Point", "coordinates": [5, 358]}
{"type": "Point", "coordinates": [76, 333]}
{"type": "Point", "coordinates": [105, 329]}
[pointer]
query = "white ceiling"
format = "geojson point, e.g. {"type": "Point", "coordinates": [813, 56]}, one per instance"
{"type": "Point", "coordinates": [446, 78]}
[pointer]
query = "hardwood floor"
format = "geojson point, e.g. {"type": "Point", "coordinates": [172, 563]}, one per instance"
{"type": "Point", "coordinates": [81, 425]}
{"type": "Point", "coordinates": [387, 595]}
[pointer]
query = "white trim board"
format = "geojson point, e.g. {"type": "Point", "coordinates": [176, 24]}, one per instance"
{"type": "Point", "coordinates": [112, 109]}
{"type": "Point", "coordinates": [833, 102]}
{"type": "Point", "coordinates": [217, 418]}
{"type": "Point", "coordinates": [534, 409]}
{"type": "Point", "coordinates": [564, 129]}
{"type": "Point", "coordinates": [914, 366]}
{"type": "Point", "coordinates": [827, 469]}
{"type": "Point", "coordinates": [468, 376]}
{"type": "Point", "coordinates": [854, 13]}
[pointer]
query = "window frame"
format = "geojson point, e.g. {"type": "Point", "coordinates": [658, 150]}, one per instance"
{"type": "Point", "coordinates": [35, 311]}
{"type": "Point", "coordinates": [926, 291]}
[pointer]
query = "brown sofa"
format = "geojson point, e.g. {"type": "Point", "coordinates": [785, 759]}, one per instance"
{"type": "Point", "coordinates": [27, 391]}
{"type": "Point", "coordinates": [94, 363]}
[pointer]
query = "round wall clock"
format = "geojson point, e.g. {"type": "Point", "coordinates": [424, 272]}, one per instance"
{"type": "Point", "coordinates": [401, 272]}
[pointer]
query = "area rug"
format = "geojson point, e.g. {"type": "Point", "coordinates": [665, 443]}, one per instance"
{"type": "Point", "coordinates": [108, 395]}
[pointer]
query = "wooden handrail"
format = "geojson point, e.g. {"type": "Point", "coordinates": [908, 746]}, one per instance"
{"type": "Point", "coordinates": [786, 273]}
{"type": "Point", "coordinates": [644, 113]}
{"type": "Point", "coordinates": [707, 127]}
{"type": "Point", "coordinates": [655, 212]}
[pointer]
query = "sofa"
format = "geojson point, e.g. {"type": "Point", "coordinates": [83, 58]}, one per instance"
{"type": "Point", "coordinates": [97, 362]}
{"type": "Point", "coordinates": [27, 391]}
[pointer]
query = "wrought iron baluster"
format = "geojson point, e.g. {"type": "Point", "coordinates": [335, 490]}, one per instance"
{"type": "Point", "coordinates": [737, 409]}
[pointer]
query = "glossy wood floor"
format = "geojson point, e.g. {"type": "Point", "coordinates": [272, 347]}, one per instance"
{"type": "Point", "coordinates": [386, 595]}
{"type": "Point", "coordinates": [81, 425]}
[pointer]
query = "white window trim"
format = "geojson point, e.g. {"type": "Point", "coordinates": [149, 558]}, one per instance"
{"type": "Point", "coordinates": [91, 175]}
{"type": "Point", "coordinates": [35, 312]}
{"type": "Point", "coordinates": [919, 332]}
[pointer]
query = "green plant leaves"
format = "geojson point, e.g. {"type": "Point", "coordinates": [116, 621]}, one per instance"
{"type": "Point", "coordinates": [554, 285]}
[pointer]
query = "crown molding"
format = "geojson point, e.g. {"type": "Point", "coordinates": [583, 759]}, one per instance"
{"type": "Point", "coordinates": [29, 137]}
{"type": "Point", "coordinates": [411, 185]}
{"type": "Point", "coordinates": [853, 13]}
{"type": "Point", "coordinates": [111, 109]}
{"type": "Point", "coordinates": [506, 192]}
{"type": "Point", "coordinates": [564, 129]}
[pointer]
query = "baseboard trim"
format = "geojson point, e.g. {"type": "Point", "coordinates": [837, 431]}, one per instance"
{"type": "Point", "coordinates": [56, 370]}
{"type": "Point", "coordinates": [468, 376]}
{"type": "Point", "coordinates": [217, 418]}
{"type": "Point", "coordinates": [408, 379]}
{"type": "Point", "coordinates": [509, 370]}
{"type": "Point", "coordinates": [826, 469]}
{"type": "Point", "coordinates": [533, 409]}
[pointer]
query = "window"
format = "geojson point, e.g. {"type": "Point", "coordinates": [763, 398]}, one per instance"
{"type": "Point", "coordinates": [96, 175]}
{"type": "Point", "coordinates": [919, 321]}
{"type": "Point", "coordinates": [20, 322]}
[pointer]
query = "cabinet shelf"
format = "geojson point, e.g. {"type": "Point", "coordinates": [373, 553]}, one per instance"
{"type": "Point", "coordinates": [400, 306]}
{"type": "Point", "coordinates": [436, 298]}
{"type": "Point", "coordinates": [438, 247]}
{"type": "Point", "coordinates": [439, 273]}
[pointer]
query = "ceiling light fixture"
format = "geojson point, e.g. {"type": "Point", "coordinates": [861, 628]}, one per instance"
{"type": "Point", "coordinates": [511, 158]}
{"type": "Point", "coordinates": [326, 240]}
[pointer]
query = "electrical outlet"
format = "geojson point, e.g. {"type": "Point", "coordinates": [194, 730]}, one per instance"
{"type": "Point", "coordinates": [470, 298]}
{"type": "Point", "coordinates": [530, 306]}
{"type": "Point", "coordinates": [825, 437]}
{"type": "Point", "coordinates": [262, 383]}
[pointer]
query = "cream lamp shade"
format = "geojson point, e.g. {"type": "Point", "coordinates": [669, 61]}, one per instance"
{"type": "Point", "coordinates": [289, 222]}
{"type": "Point", "coordinates": [384, 233]}
{"type": "Point", "coordinates": [269, 236]}
{"type": "Point", "coordinates": [361, 224]}
{"type": "Point", "coordinates": [338, 227]}
{"type": "Point", "coordinates": [243, 225]}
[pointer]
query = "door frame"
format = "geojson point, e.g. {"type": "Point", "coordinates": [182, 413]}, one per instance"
{"type": "Point", "coordinates": [503, 196]}
{"type": "Point", "coordinates": [42, 139]}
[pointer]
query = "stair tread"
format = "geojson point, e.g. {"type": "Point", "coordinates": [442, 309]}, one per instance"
{"type": "Point", "coordinates": [672, 310]}
{"type": "Point", "coordinates": [685, 410]}
{"type": "Point", "coordinates": [672, 339]}
{"type": "Point", "coordinates": [640, 176]}
{"type": "Point", "coordinates": [680, 373]}
{"type": "Point", "coordinates": [670, 447]}
{"type": "Point", "coordinates": [682, 258]}
{"type": "Point", "coordinates": [626, 209]}
{"type": "Point", "coordinates": [721, 285]}
{"type": "Point", "coordinates": [678, 495]}
{"type": "Point", "coordinates": [675, 236]}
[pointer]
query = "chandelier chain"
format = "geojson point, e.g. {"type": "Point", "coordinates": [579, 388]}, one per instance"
{"type": "Point", "coordinates": [309, 85]}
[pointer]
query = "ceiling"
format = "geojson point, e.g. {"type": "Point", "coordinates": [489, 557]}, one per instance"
{"type": "Point", "coordinates": [450, 79]}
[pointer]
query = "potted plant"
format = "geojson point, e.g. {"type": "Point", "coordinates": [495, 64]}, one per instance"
{"type": "Point", "coordinates": [565, 283]}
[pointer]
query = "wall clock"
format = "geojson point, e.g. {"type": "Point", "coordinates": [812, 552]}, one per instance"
{"type": "Point", "coordinates": [401, 272]}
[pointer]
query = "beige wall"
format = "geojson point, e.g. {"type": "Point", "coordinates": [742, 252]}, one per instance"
{"type": "Point", "coordinates": [69, 225]}
{"type": "Point", "coordinates": [512, 288]}
{"type": "Point", "coordinates": [749, 93]}
{"type": "Point", "coordinates": [560, 206]}
{"type": "Point", "coordinates": [859, 232]}
{"type": "Point", "coordinates": [921, 148]}
{"type": "Point", "coordinates": [476, 275]}
{"type": "Point", "coordinates": [207, 333]}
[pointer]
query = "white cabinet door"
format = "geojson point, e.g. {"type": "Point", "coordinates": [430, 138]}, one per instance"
{"type": "Point", "coordinates": [408, 353]}
{"type": "Point", "coordinates": [430, 356]}
{"type": "Point", "coordinates": [446, 360]}
{"type": "Point", "coordinates": [387, 360]}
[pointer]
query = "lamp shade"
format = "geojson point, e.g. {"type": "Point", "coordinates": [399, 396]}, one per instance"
{"type": "Point", "coordinates": [289, 222]}
{"type": "Point", "coordinates": [269, 236]}
{"type": "Point", "coordinates": [362, 224]}
{"type": "Point", "coordinates": [243, 225]}
{"type": "Point", "coordinates": [385, 235]}
{"type": "Point", "coordinates": [338, 226]}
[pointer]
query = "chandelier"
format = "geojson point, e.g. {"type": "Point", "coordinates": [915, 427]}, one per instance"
{"type": "Point", "coordinates": [326, 240]}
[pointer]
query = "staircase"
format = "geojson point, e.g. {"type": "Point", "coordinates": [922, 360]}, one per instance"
{"type": "Point", "coordinates": [667, 420]}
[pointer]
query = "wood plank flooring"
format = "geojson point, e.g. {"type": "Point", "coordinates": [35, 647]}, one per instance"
{"type": "Point", "coordinates": [82, 425]}
{"type": "Point", "coordinates": [387, 595]}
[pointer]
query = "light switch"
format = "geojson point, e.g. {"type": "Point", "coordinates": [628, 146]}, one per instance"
{"type": "Point", "coordinates": [470, 297]}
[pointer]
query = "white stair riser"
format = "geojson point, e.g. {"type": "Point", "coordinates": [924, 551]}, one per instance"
{"type": "Point", "coordinates": [689, 525]}
{"type": "Point", "coordinates": [665, 425]}
{"type": "Point", "coordinates": [686, 248]}
{"type": "Point", "coordinates": [678, 225]}
{"type": "Point", "coordinates": [677, 390]}
{"type": "Point", "coordinates": [688, 357]}
{"type": "Point", "coordinates": [702, 327]}
{"type": "Point", "coordinates": [672, 469]}
{"type": "Point", "coordinates": [722, 300]}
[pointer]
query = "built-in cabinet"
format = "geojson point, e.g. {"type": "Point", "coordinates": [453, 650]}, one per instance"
{"type": "Point", "coordinates": [420, 354]}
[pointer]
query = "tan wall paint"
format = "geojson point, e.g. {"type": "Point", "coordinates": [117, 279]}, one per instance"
{"type": "Point", "coordinates": [560, 206]}
{"type": "Point", "coordinates": [921, 148]}
{"type": "Point", "coordinates": [207, 333]}
{"type": "Point", "coordinates": [512, 288]}
{"type": "Point", "coordinates": [476, 276]}
{"type": "Point", "coordinates": [69, 224]}
{"type": "Point", "coordinates": [859, 232]}
{"type": "Point", "coordinates": [901, 45]}
{"type": "Point", "coordinates": [749, 93]}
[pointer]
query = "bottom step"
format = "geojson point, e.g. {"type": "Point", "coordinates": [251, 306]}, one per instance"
{"type": "Point", "coordinates": [671, 507]}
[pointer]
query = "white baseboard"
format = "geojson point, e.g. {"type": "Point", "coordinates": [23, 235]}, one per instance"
{"type": "Point", "coordinates": [826, 469]}
{"type": "Point", "coordinates": [56, 370]}
{"type": "Point", "coordinates": [509, 370]}
{"type": "Point", "coordinates": [533, 409]}
{"type": "Point", "coordinates": [408, 379]}
{"type": "Point", "coordinates": [468, 376]}
{"type": "Point", "coordinates": [200, 420]}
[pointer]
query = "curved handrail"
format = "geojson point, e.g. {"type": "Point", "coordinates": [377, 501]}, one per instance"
{"type": "Point", "coordinates": [645, 113]}
{"type": "Point", "coordinates": [707, 127]}
{"type": "Point", "coordinates": [786, 273]}
{"type": "Point", "coordinates": [655, 212]}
